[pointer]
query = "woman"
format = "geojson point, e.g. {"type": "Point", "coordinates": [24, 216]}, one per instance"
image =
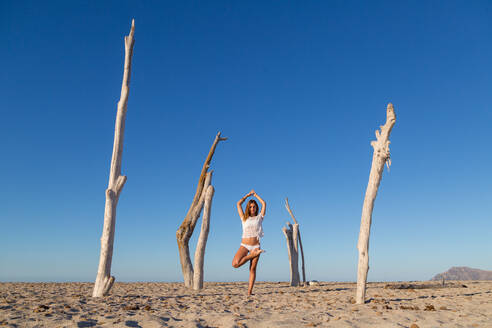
{"type": "Point", "coordinates": [252, 232]}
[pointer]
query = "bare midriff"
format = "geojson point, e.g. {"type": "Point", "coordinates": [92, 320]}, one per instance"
{"type": "Point", "coordinates": [251, 241]}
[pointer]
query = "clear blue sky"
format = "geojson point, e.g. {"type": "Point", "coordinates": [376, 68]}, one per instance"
{"type": "Point", "coordinates": [298, 87]}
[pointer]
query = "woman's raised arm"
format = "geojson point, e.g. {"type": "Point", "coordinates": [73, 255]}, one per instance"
{"type": "Point", "coordinates": [263, 204]}
{"type": "Point", "coordinates": [240, 207]}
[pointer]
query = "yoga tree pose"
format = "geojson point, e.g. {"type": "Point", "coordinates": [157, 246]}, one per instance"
{"type": "Point", "coordinates": [252, 232]}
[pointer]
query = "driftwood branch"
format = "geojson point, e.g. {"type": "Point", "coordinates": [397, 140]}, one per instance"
{"type": "Point", "coordinates": [380, 156]}
{"type": "Point", "coordinates": [195, 215]}
{"type": "Point", "coordinates": [202, 240]}
{"type": "Point", "coordinates": [185, 231]}
{"type": "Point", "coordinates": [287, 206]}
{"type": "Point", "coordinates": [201, 180]}
{"type": "Point", "coordinates": [104, 280]}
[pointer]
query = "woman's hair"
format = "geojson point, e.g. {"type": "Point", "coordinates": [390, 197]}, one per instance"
{"type": "Point", "coordinates": [247, 214]}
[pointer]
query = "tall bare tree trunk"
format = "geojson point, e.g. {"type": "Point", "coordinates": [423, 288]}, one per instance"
{"type": "Point", "coordinates": [300, 241]}
{"type": "Point", "coordinates": [104, 280]}
{"type": "Point", "coordinates": [202, 240]}
{"type": "Point", "coordinates": [380, 157]}
{"type": "Point", "coordinates": [185, 231]}
{"type": "Point", "coordinates": [290, 235]}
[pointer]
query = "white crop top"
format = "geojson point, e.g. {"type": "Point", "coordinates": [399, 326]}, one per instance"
{"type": "Point", "coordinates": [252, 227]}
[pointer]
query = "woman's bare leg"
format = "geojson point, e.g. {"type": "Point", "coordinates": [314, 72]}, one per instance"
{"type": "Point", "coordinates": [252, 273]}
{"type": "Point", "coordinates": [242, 256]}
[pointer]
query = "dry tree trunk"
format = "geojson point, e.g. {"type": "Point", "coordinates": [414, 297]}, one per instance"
{"type": "Point", "coordinates": [184, 250]}
{"type": "Point", "coordinates": [300, 241]}
{"type": "Point", "coordinates": [295, 244]}
{"type": "Point", "coordinates": [202, 240]}
{"type": "Point", "coordinates": [290, 235]}
{"type": "Point", "coordinates": [104, 280]}
{"type": "Point", "coordinates": [185, 231]}
{"type": "Point", "coordinates": [380, 157]}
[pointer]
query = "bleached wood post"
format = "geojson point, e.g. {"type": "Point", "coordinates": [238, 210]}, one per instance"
{"type": "Point", "coordinates": [380, 156]}
{"type": "Point", "coordinates": [185, 231]}
{"type": "Point", "coordinates": [300, 241]}
{"type": "Point", "coordinates": [293, 255]}
{"type": "Point", "coordinates": [104, 280]}
{"type": "Point", "coordinates": [202, 240]}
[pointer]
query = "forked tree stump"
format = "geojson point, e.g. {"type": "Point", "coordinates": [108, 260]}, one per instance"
{"type": "Point", "coordinates": [291, 236]}
{"type": "Point", "coordinates": [287, 206]}
{"type": "Point", "coordinates": [187, 227]}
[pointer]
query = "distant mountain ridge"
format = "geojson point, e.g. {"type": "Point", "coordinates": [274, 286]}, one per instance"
{"type": "Point", "coordinates": [464, 273]}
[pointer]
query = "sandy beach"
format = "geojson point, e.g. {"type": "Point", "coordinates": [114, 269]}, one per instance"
{"type": "Point", "coordinates": [325, 304]}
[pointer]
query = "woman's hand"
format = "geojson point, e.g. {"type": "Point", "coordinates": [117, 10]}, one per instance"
{"type": "Point", "coordinates": [252, 192]}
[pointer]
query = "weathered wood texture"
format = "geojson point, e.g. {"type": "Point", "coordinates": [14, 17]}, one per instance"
{"type": "Point", "coordinates": [290, 233]}
{"type": "Point", "coordinates": [380, 156]}
{"type": "Point", "coordinates": [187, 227]}
{"type": "Point", "coordinates": [202, 240]}
{"type": "Point", "coordinates": [287, 206]}
{"type": "Point", "coordinates": [104, 280]}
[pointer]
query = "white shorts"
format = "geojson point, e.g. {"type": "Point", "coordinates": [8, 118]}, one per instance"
{"type": "Point", "coordinates": [250, 247]}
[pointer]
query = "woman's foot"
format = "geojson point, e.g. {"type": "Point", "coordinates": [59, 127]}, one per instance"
{"type": "Point", "coordinates": [256, 252]}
